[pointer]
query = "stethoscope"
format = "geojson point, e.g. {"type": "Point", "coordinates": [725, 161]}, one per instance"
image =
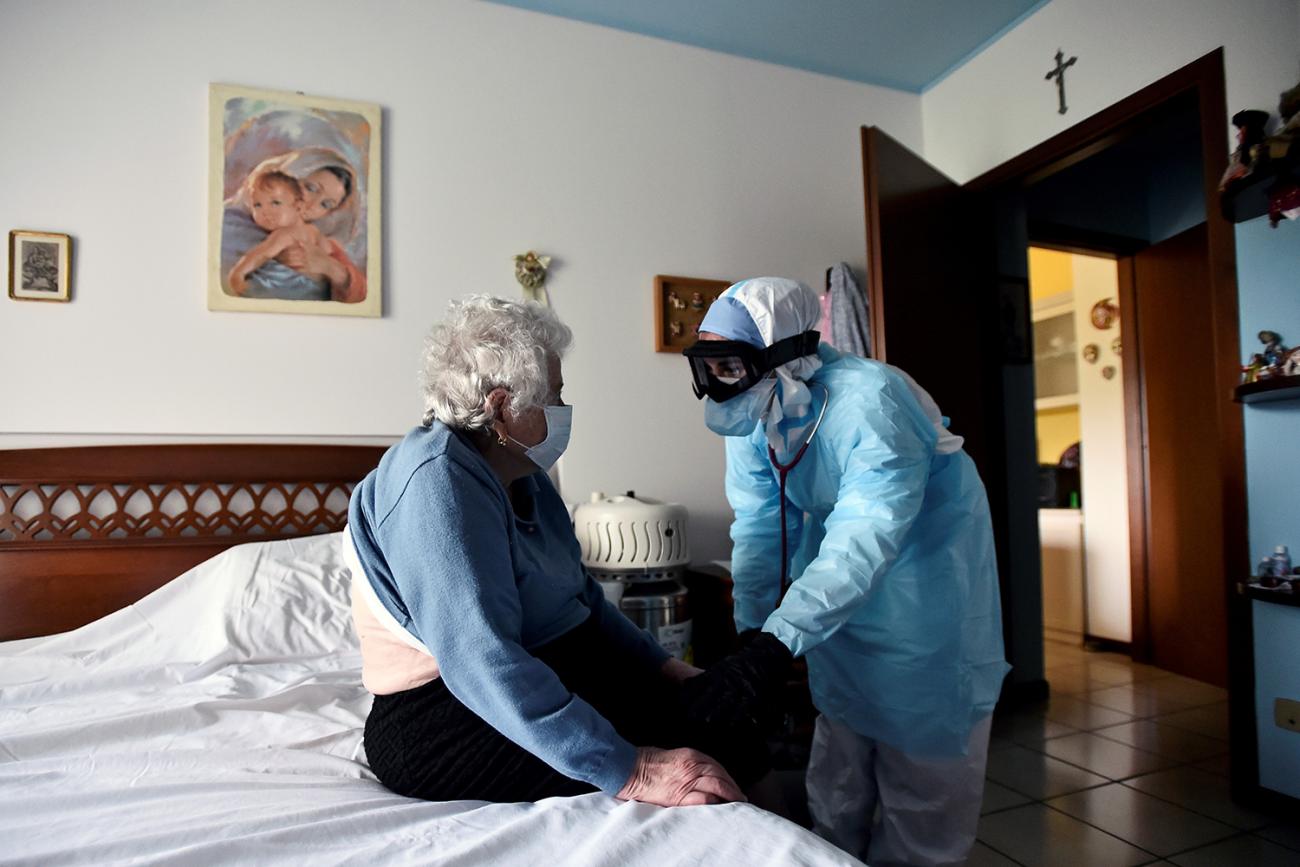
{"type": "Point", "coordinates": [783, 470]}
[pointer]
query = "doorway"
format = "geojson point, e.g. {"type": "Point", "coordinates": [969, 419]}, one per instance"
{"type": "Point", "coordinates": [1120, 224]}
{"type": "Point", "coordinates": [1079, 411]}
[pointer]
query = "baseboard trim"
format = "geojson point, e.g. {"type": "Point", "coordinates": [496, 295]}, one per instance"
{"type": "Point", "coordinates": [1022, 693]}
{"type": "Point", "coordinates": [1107, 645]}
{"type": "Point", "coordinates": [1271, 801]}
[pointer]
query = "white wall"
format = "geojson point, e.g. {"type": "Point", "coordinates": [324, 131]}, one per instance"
{"type": "Point", "coordinates": [999, 104]}
{"type": "Point", "coordinates": [1104, 472]}
{"type": "Point", "coordinates": [622, 156]}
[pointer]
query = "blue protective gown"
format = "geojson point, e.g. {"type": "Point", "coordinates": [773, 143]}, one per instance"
{"type": "Point", "coordinates": [894, 600]}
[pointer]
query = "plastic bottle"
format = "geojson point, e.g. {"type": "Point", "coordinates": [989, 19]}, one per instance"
{"type": "Point", "coordinates": [1281, 561]}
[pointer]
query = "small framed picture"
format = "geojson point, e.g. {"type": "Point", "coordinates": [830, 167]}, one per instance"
{"type": "Point", "coordinates": [40, 266]}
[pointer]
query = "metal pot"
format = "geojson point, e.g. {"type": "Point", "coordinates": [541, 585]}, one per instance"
{"type": "Point", "coordinates": [662, 608]}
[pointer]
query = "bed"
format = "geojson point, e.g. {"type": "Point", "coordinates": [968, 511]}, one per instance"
{"type": "Point", "coordinates": [201, 701]}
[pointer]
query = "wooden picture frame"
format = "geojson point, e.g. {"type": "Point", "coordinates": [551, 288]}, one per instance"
{"type": "Point", "coordinates": [295, 170]}
{"type": "Point", "coordinates": [40, 266]}
{"type": "Point", "coordinates": [680, 305]}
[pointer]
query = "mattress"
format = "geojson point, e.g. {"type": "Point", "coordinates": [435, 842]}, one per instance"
{"type": "Point", "coordinates": [219, 720]}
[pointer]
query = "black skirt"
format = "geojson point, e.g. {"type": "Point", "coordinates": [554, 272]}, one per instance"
{"type": "Point", "coordinates": [423, 743]}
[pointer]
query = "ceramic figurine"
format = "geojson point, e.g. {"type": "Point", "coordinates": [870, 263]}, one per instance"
{"type": "Point", "coordinates": [1283, 202]}
{"type": "Point", "coordinates": [1282, 146]}
{"type": "Point", "coordinates": [697, 300]}
{"type": "Point", "coordinates": [1278, 146]}
{"type": "Point", "coordinates": [676, 329]}
{"type": "Point", "coordinates": [1274, 352]}
{"type": "Point", "coordinates": [1288, 106]}
{"type": "Point", "coordinates": [1291, 363]}
{"type": "Point", "coordinates": [1250, 370]}
{"type": "Point", "coordinates": [1250, 133]}
{"type": "Point", "coordinates": [675, 302]}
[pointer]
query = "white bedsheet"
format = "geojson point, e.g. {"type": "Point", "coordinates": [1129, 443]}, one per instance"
{"type": "Point", "coordinates": [219, 720]}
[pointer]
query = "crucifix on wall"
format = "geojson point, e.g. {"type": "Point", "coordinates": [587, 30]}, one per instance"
{"type": "Point", "coordinates": [1059, 74]}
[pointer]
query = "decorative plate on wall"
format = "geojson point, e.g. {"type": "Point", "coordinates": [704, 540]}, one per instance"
{"type": "Point", "coordinates": [1105, 313]}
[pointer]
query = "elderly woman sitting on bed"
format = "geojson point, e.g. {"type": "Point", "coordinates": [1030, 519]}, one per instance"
{"type": "Point", "coordinates": [500, 672]}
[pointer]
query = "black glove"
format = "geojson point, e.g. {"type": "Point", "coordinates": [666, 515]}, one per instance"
{"type": "Point", "coordinates": [741, 688]}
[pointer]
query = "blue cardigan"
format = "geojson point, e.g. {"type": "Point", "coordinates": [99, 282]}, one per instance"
{"type": "Point", "coordinates": [480, 585]}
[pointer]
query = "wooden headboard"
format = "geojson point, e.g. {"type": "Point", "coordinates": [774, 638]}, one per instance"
{"type": "Point", "coordinates": [86, 531]}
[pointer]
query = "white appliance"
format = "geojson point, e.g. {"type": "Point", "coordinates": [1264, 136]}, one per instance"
{"type": "Point", "coordinates": [637, 549]}
{"type": "Point", "coordinates": [1061, 532]}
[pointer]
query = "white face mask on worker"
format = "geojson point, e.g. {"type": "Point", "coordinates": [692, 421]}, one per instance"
{"type": "Point", "coordinates": [739, 416]}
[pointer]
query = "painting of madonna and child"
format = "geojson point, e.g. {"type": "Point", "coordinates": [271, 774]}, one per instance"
{"type": "Point", "coordinates": [293, 204]}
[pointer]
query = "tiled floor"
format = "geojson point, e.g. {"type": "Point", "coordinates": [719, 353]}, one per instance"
{"type": "Point", "coordinates": [1126, 764]}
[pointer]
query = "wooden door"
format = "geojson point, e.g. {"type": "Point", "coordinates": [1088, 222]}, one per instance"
{"type": "Point", "coordinates": [925, 282]}
{"type": "Point", "coordinates": [1180, 604]}
{"type": "Point", "coordinates": [950, 307]}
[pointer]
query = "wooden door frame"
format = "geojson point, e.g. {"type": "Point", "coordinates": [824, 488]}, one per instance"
{"type": "Point", "coordinates": [875, 277]}
{"type": "Point", "coordinates": [1139, 465]}
{"type": "Point", "coordinates": [1205, 79]}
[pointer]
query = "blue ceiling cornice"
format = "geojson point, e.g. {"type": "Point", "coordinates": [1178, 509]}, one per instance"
{"type": "Point", "coordinates": [907, 45]}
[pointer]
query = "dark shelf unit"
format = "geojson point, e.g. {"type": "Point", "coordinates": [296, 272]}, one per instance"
{"type": "Point", "coordinates": [1277, 388]}
{"type": "Point", "coordinates": [1265, 594]}
{"type": "Point", "coordinates": [1247, 198]}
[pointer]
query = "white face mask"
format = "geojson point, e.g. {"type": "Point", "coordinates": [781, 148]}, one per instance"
{"type": "Point", "coordinates": [559, 421]}
{"type": "Point", "coordinates": [739, 416]}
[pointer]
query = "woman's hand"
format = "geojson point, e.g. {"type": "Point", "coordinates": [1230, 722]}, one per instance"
{"type": "Point", "coordinates": [319, 265]}
{"type": "Point", "coordinates": [677, 671]}
{"type": "Point", "coordinates": [313, 263]}
{"type": "Point", "coordinates": [678, 778]}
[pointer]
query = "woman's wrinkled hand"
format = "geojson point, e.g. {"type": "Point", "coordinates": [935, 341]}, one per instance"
{"type": "Point", "coordinates": [678, 778]}
{"type": "Point", "coordinates": [677, 671]}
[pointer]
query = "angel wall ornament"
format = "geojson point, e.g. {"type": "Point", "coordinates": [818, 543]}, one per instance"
{"type": "Point", "coordinates": [530, 271]}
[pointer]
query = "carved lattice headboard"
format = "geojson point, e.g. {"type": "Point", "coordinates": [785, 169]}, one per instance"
{"type": "Point", "coordinates": [85, 531]}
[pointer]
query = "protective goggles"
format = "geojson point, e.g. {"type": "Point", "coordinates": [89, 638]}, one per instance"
{"type": "Point", "coordinates": [722, 369]}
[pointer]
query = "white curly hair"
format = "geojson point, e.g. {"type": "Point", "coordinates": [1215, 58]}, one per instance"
{"type": "Point", "coordinates": [486, 343]}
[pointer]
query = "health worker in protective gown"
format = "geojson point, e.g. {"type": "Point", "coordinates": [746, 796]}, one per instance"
{"type": "Point", "coordinates": [862, 542]}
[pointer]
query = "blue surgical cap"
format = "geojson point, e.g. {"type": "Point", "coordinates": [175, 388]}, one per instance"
{"type": "Point", "coordinates": [728, 318]}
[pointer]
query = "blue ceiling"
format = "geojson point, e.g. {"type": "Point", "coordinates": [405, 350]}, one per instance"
{"type": "Point", "coordinates": [904, 44]}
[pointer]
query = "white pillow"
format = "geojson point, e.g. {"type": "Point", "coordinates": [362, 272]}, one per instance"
{"type": "Point", "coordinates": [259, 601]}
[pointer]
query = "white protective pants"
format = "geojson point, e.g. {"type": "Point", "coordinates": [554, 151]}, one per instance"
{"type": "Point", "coordinates": [888, 808]}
